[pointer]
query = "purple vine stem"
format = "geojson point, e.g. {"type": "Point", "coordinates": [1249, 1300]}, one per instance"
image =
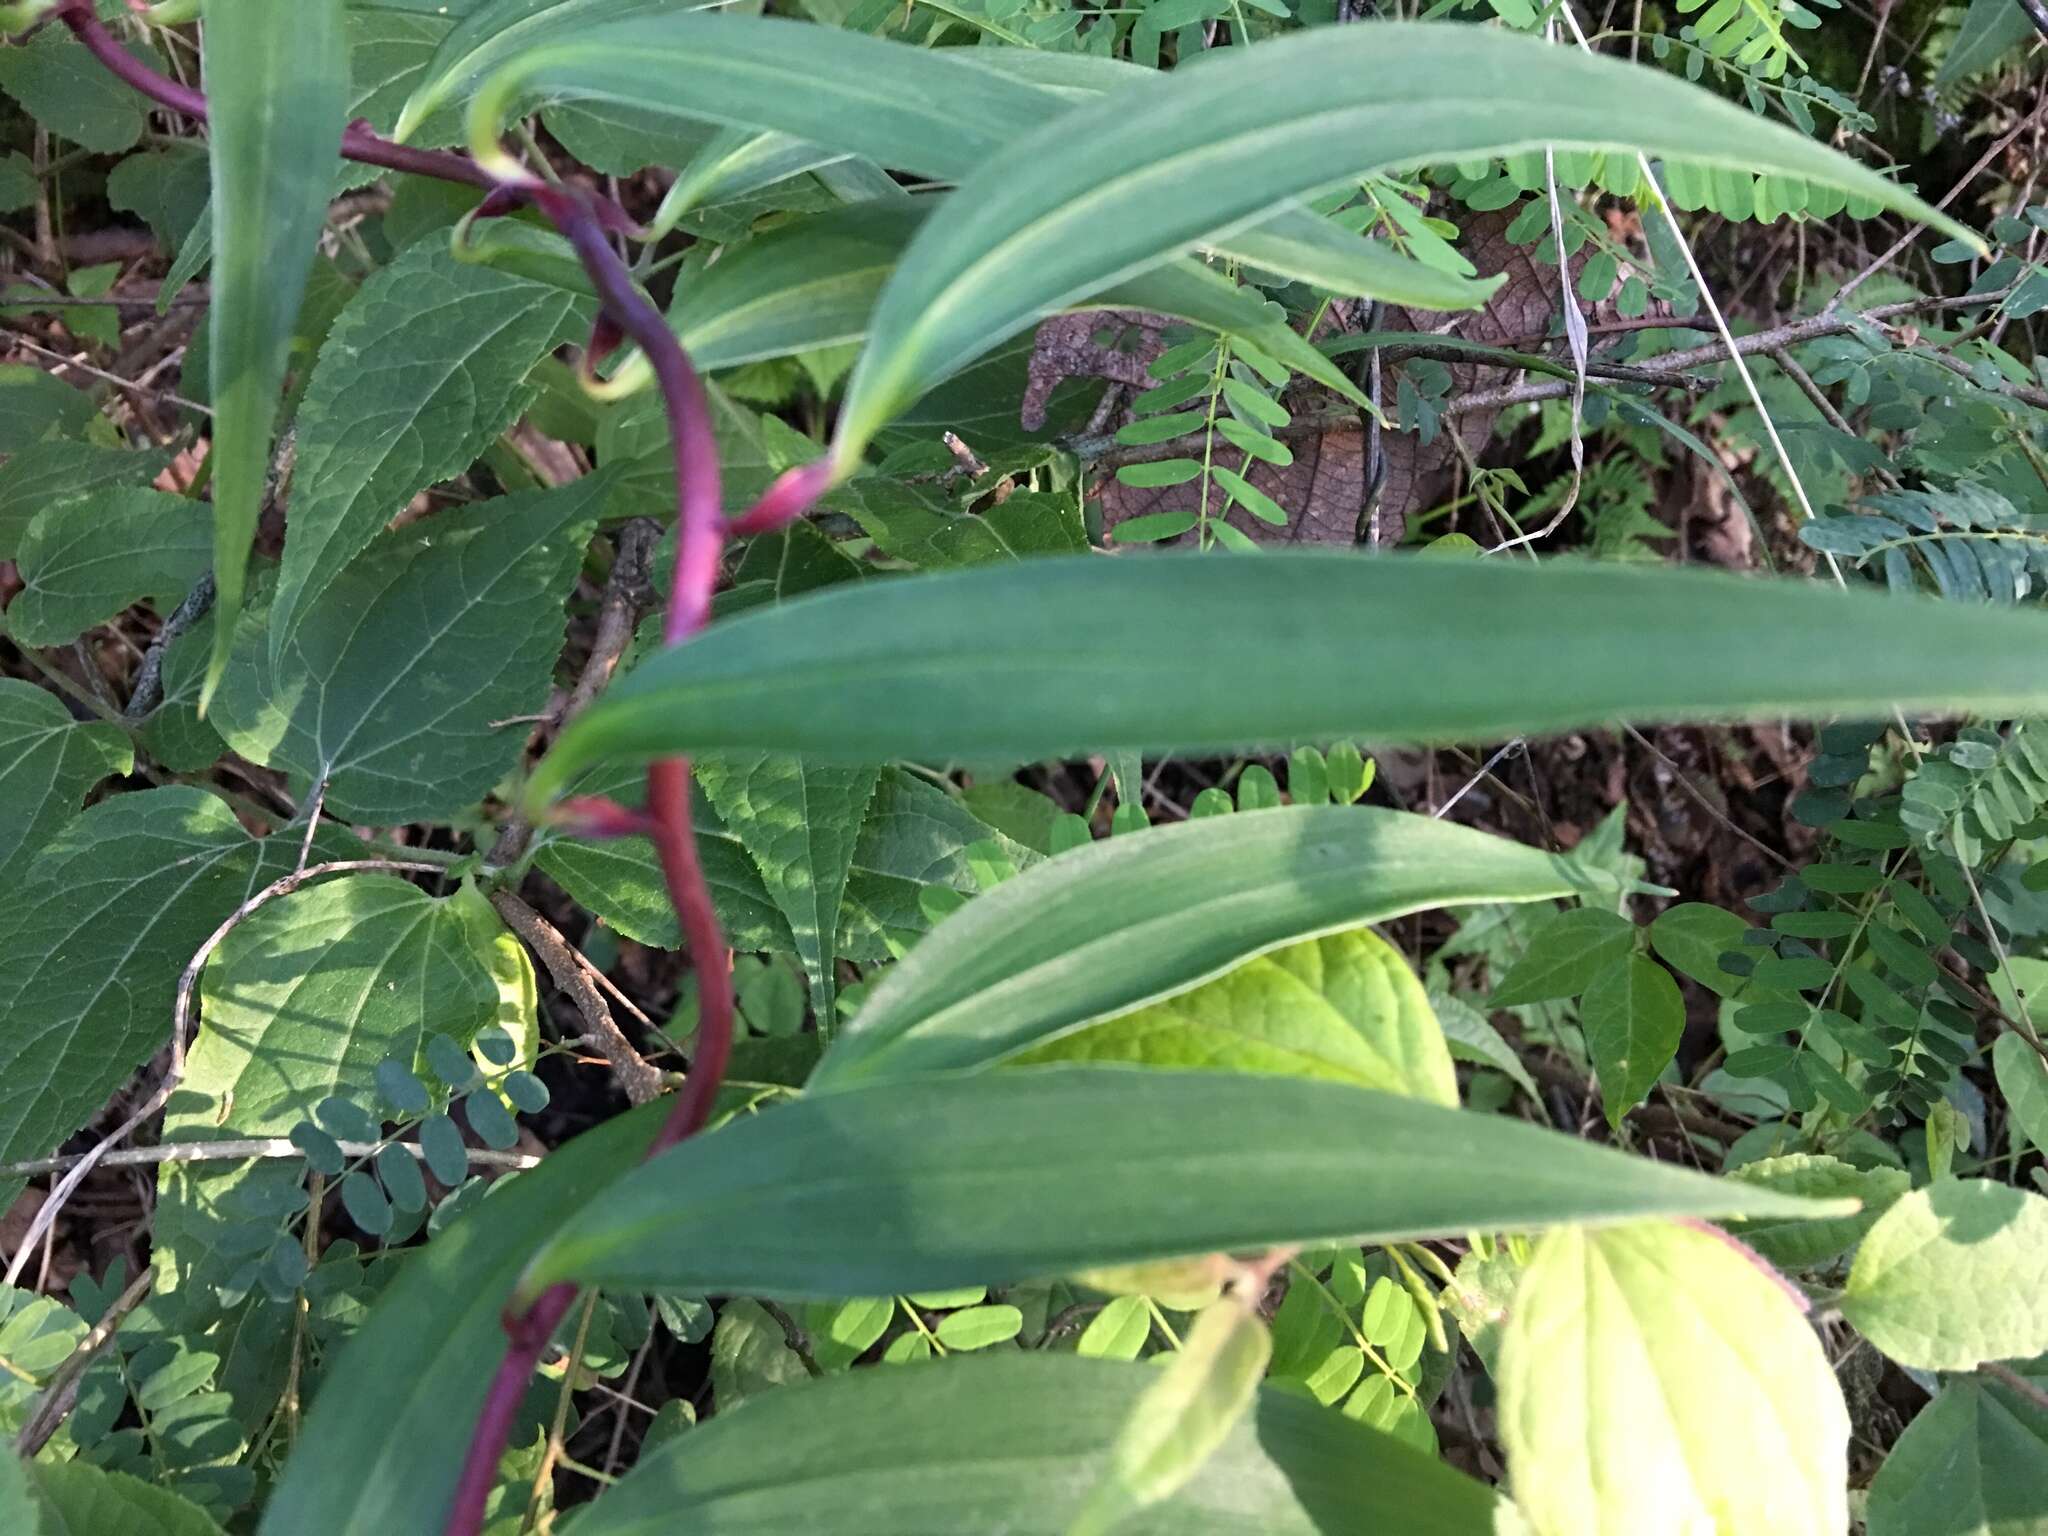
{"type": "Point", "coordinates": [702, 531]}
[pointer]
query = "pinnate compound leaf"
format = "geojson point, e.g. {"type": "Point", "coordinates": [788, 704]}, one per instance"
{"type": "Point", "coordinates": [2023, 1080]}
{"type": "Point", "coordinates": [108, 918]}
{"type": "Point", "coordinates": [391, 687]}
{"type": "Point", "coordinates": [1143, 916]}
{"type": "Point", "coordinates": [916, 1185]}
{"type": "Point", "coordinates": [303, 1001]}
{"type": "Point", "coordinates": [84, 560]}
{"type": "Point", "coordinates": [1692, 936]}
{"type": "Point", "coordinates": [47, 763]}
{"type": "Point", "coordinates": [1804, 1244]}
{"type": "Point", "coordinates": [427, 1353]}
{"type": "Point", "coordinates": [277, 84]}
{"type": "Point", "coordinates": [1015, 1442]}
{"type": "Point", "coordinates": [1974, 1462]}
{"type": "Point", "coordinates": [1953, 1275]}
{"type": "Point", "coordinates": [1656, 1377]}
{"type": "Point", "coordinates": [1564, 955]}
{"type": "Point", "coordinates": [421, 372]}
{"type": "Point", "coordinates": [799, 822]}
{"type": "Point", "coordinates": [78, 1499]}
{"type": "Point", "coordinates": [980, 663]}
{"type": "Point", "coordinates": [1100, 192]}
{"type": "Point", "coordinates": [1344, 1007]}
{"type": "Point", "coordinates": [1632, 1016]}
{"type": "Point", "coordinates": [1184, 1417]}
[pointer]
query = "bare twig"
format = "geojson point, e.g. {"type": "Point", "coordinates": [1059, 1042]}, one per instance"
{"type": "Point", "coordinates": [259, 1147]}
{"type": "Point", "coordinates": [45, 1218]}
{"type": "Point", "coordinates": [641, 1081]}
{"type": "Point", "coordinates": [149, 680]}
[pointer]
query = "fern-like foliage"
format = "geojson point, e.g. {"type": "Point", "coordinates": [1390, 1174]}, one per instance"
{"type": "Point", "coordinates": [1751, 33]}
{"type": "Point", "coordinates": [1978, 790]}
{"type": "Point", "coordinates": [1965, 542]}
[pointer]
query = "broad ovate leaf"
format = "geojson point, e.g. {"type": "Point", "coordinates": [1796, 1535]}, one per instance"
{"type": "Point", "coordinates": [1143, 916]}
{"type": "Point", "coordinates": [47, 762]}
{"type": "Point", "coordinates": [1953, 1275]}
{"type": "Point", "coordinates": [1807, 1244]}
{"type": "Point", "coordinates": [1564, 955]}
{"type": "Point", "coordinates": [981, 663]}
{"type": "Point", "coordinates": [277, 84]}
{"type": "Point", "coordinates": [1974, 1462]}
{"type": "Point", "coordinates": [917, 1185]}
{"type": "Point", "coordinates": [1345, 1007]}
{"type": "Point", "coordinates": [1656, 1377]}
{"type": "Point", "coordinates": [2023, 1079]}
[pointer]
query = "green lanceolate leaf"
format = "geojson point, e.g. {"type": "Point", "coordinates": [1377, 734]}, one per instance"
{"type": "Point", "coordinates": [47, 763]}
{"type": "Point", "coordinates": [443, 349]}
{"type": "Point", "coordinates": [982, 664]}
{"type": "Point", "coordinates": [85, 559]}
{"type": "Point", "coordinates": [109, 916]}
{"type": "Point", "coordinates": [1657, 1378]}
{"type": "Point", "coordinates": [1953, 1275]}
{"type": "Point", "coordinates": [814, 284]}
{"type": "Point", "coordinates": [499, 30]}
{"type": "Point", "coordinates": [1564, 955]}
{"type": "Point", "coordinates": [1974, 1462]}
{"type": "Point", "coordinates": [301, 1002]}
{"type": "Point", "coordinates": [1100, 192]}
{"type": "Point", "coordinates": [799, 823]}
{"type": "Point", "coordinates": [1187, 1414]}
{"type": "Point", "coordinates": [392, 686]}
{"type": "Point", "coordinates": [916, 1185]}
{"type": "Point", "coordinates": [1344, 1007]}
{"type": "Point", "coordinates": [1014, 1442]}
{"type": "Point", "coordinates": [276, 78]}
{"type": "Point", "coordinates": [1633, 1016]}
{"type": "Point", "coordinates": [428, 1351]}
{"type": "Point", "coordinates": [1989, 29]}
{"type": "Point", "coordinates": [1125, 922]}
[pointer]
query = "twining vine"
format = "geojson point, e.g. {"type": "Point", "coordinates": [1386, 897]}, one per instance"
{"type": "Point", "coordinates": [624, 313]}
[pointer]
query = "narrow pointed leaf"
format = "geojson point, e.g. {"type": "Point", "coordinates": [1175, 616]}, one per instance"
{"type": "Point", "coordinates": [1659, 1378]}
{"type": "Point", "coordinates": [1013, 1443]}
{"type": "Point", "coordinates": [277, 83]}
{"type": "Point", "coordinates": [1183, 1418]}
{"type": "Point", "coordinates": [916, 1185]}
{"type": "Point", "coordinates": [983, 664]}
{"type": "Point", "coordinates": [1100, 192]}
{"type": "Point", "coordinates": [1136, 918]}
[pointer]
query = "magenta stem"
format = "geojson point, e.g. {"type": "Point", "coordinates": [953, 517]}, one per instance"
{"type": "Point", "coordinates": [527, 1335]}
{"type": "Point", "coordinates": [358, 141]}
{"type": "Point", "coordinates": [701, 534]}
